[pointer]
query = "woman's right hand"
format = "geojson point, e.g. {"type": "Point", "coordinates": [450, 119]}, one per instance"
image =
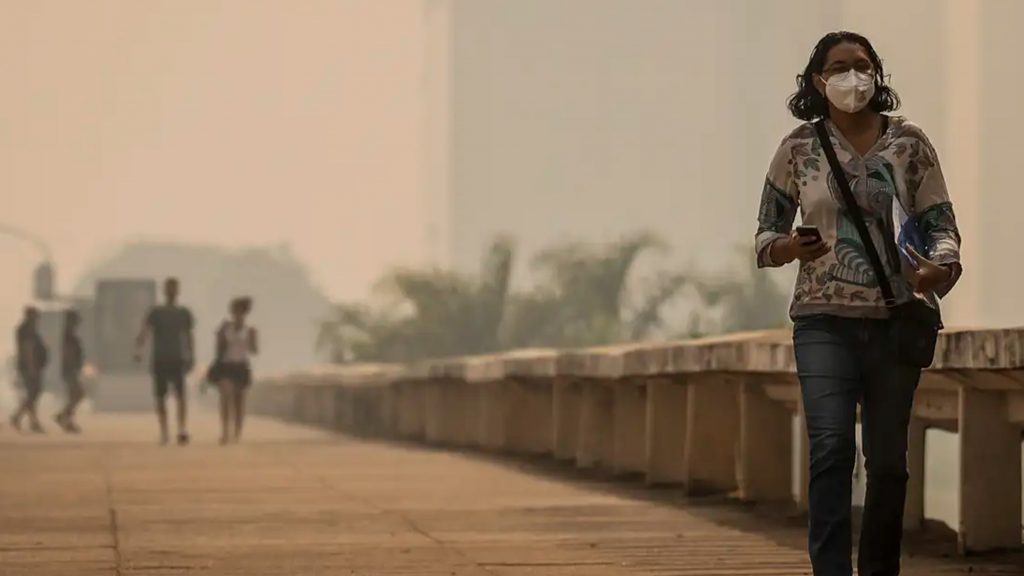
{"type": "Point", "coordinates": [796, 247]}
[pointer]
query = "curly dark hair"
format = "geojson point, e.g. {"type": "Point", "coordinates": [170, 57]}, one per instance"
{"type": "Point", "coordinates": [808, 104]}
{"type": "Point", "coordinates": [242, 304]}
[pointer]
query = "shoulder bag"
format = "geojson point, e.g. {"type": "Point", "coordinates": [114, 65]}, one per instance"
{"type": "Point", "coordinates": [915, 324]}
{"type": "Point", "coordinates": [215, 371]}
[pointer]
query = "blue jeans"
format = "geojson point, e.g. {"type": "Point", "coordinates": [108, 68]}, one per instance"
{"type": "Point", "coordinates": [842, 362]}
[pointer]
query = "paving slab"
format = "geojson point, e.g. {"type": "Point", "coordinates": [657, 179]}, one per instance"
{"type": "Point", "coordinates": [291, 500]}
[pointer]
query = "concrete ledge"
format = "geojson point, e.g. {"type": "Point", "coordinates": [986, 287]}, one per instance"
{"type": "Point", "coordinates": [463, 406]}
{"type": "Point", "coordinates": [913, 511]}
{"type": "Point", "coordinates": [410, 405]}
{"type": "Point", "coordinates": [566, 402]}
{"type": "Point", "coordinates": [990, 474]}
{"type": "Point", "coordinates": [712, 434]}
{"type": "Point", "coordinates": [765, 444]}
{"type": "Point", "coordinates": [629, 427]}
{"type": "Point", "coordinates": [665, 447]}
{"type": "Point", "coordinates": [594, 441]}
{"type": "Point", "coordinates": [712, 414]}
{"type": "Point", "coordinates": [491, 428]}
{"type": "Point", "coordinates": [529, 417]}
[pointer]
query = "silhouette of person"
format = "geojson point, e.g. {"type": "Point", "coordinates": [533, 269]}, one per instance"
{"type": "Point", "coordinates": [170, 325]}
{"type": "Point", "coordinates": [31, 361]}
{"type": "Point", "coordinates": [72, 362]}
{"type": "Point", "coordinates": [232, 371]}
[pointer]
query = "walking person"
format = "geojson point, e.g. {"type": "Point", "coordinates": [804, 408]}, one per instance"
{"type": "Point", "coordinates": [231, 371]}
{"type": "Point", "coordinates": [865, 306]}
{"type": "Point", "coordinates": [171, 327]}
{"type": "Point", "coordinates": [72, 362]}
{"type": "Point", "coordinates": [31, 360]}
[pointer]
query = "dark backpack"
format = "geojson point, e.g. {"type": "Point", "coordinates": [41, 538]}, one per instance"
{"type": "Point", "coordinates": [213, 373]}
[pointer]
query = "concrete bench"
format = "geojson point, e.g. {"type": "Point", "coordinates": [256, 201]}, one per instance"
{"type": "Point", "coordinates": [711, 415]}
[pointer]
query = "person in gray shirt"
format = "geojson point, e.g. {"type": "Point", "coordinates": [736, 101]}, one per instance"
{"type": "Point", "coordinates": [170, 326]}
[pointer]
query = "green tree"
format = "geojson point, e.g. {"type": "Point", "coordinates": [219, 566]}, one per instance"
{"type": "Point", "coordinates": [648, 316]}
{"type": "Point", "coordinates": [429, 313]}
{"type": "Point", "coordinates": [351, 332]}
{"type": "Point", "coordinates": [583, 297]}
{"type": "Point", "coordinates": [748, 299]}
{"type": "Point", "coordinates": [587, 295]}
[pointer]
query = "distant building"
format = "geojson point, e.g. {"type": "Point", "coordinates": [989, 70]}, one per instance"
{"type": "Point", "coordinates": [591, 118]}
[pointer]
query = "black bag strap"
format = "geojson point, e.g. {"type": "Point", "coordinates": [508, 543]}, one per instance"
{"type": "Point", "coordinates": [856, 215]}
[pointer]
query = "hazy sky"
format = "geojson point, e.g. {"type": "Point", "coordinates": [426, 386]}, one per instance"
{"type": "Point", "coordinates": [241, 122]}
{"type": "Point", "coordinates": [229, 122]}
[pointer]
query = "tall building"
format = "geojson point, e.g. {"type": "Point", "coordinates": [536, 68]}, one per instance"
{"type": "Point", "coordinates": [588, 119]}
{"type": "Point", "coordinates": [436, 128]}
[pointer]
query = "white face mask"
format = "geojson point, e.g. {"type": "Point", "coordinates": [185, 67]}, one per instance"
{"type": "Point", "coordinates": [850, 91]}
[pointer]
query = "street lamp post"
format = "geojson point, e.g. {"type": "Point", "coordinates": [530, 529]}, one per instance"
{"type": "Point", "coordinates": [43, 280]}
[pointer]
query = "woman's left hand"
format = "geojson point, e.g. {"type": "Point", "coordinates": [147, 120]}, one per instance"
{"type": "Point", "coordinates": [928, 275]}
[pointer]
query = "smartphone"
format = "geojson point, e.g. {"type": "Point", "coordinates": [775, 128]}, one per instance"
{"type": "Point", "coordinates": [809, 232]}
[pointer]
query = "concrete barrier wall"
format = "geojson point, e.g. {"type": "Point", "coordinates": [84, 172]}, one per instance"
{"type": "Point", "coordinates": [712, 415]}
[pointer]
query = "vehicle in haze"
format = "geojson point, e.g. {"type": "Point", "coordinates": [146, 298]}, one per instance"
{"type": "Point", "coordinates": [119, 309]}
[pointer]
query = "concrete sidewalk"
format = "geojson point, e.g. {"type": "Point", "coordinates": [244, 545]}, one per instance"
{"type": "Point", "coordinates": [294, 501]}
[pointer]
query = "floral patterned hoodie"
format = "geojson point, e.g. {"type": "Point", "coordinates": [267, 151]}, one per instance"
{"type": "Point", "coordinates": [903, 167]}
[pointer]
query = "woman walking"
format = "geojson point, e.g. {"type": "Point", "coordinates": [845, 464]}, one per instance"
{"type": "Point", "coordinates": [72, 362]}
{"type": "Point", "coordinates": [865, 306]}
{"type": "Point", "coordinates": [236, 342]}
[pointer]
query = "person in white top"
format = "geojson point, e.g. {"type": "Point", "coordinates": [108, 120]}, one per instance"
{"type": "Point", "coordinates": [232, 372]}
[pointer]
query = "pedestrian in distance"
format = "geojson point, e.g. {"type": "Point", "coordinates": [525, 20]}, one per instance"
{"type": "Point", "coordinates": [231, 370]}
{"type": "Point", "coordinates": [31, 359]}
{"type": "Point", "coordinates": [170, 326]}
{"type": "Point", "coordinates": [72, 363]}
